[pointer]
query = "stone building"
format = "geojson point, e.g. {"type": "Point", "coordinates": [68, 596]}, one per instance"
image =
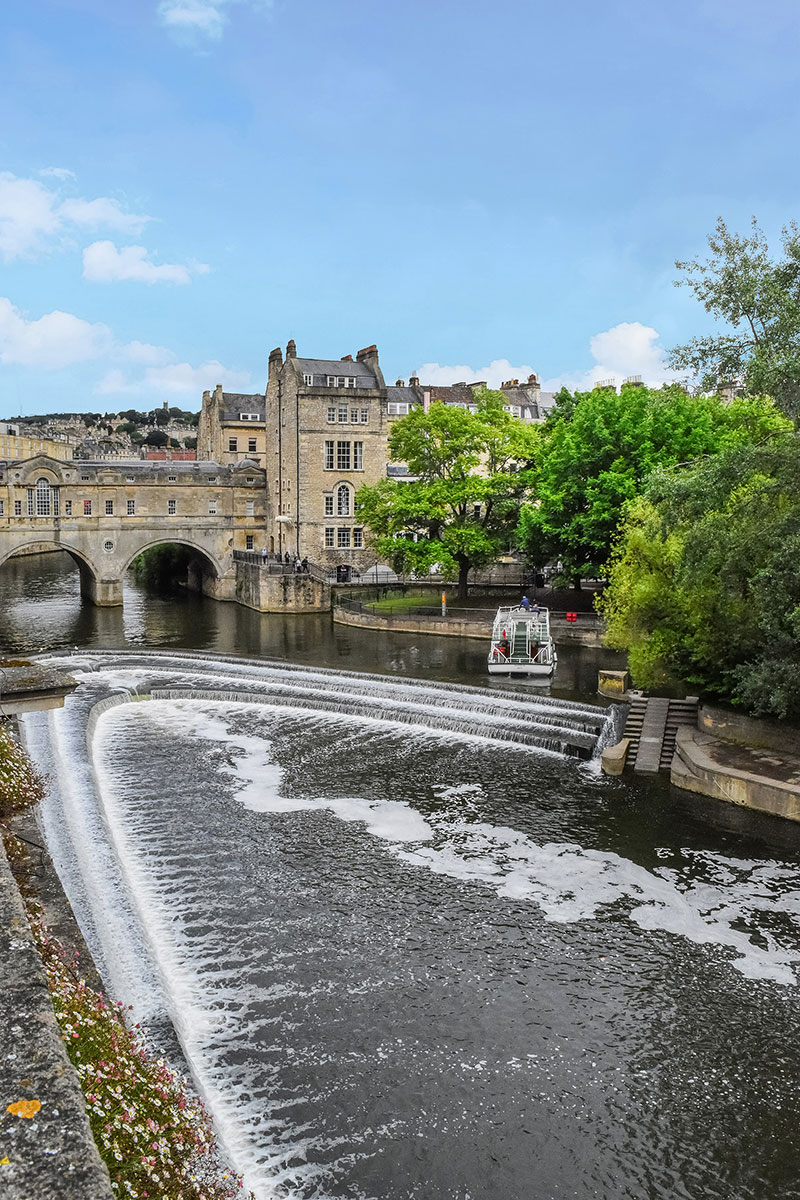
{"type": "Point", "coordinates": [16, 442]}
{"type": "Point", "coordinates": [327, 424]}
{"type": "Point", "coordinates": [232, 427]}
{"type": "Point", "coordinates": [320, 432]}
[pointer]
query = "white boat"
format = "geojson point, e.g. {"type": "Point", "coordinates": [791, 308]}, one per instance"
{"type": "Point", "coordinates": [521, 643]}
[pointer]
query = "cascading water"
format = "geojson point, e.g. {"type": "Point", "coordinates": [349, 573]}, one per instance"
{"type": "Point", "coordinates": [413, 945]}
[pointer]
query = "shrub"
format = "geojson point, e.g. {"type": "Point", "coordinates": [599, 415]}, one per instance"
{"type": "Point", "coordinates": [20, 785]}
{"type": "Point", "coordinates": [154, 1137]}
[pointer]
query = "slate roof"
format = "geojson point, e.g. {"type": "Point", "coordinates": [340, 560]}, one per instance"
{"type": "Point", "coordinates": [237, 402]}
{"type": "Point", "coordinates": [333, 366]}
{"type": "Point", "coordinates": [404, 395]}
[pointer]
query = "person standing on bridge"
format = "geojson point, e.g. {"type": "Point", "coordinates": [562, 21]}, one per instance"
{"type": "Point", "coordinates": [304, 565]}
{"type": "Point", "coordinates": [264, 555]}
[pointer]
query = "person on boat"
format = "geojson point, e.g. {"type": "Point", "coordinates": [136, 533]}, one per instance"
{"type": "Point", "coordinates": [526, 603]}
{"type": "Point", "coordinates": [504, 646]}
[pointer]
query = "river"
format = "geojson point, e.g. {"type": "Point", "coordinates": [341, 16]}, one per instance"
{"type": "Point", "coordinates": [412, 942]}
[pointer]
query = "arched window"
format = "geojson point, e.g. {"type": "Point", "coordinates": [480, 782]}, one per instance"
{"type": "Point", "coordinates": [44, 503]}
{"type": "Point", "coordinates": [343, 504]}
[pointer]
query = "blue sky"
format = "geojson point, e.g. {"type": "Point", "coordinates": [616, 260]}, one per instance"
{"type": "Point", "coordinates": [482, 190]}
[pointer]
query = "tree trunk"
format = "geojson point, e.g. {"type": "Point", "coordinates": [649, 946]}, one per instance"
{"type": "Point", "coordinates": [463, 572]}
{"type": "Point", "coordinates": [576, 583]}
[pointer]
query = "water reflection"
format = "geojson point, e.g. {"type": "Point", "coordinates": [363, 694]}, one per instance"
{"type": "Point", "coordinates": [41, 609]}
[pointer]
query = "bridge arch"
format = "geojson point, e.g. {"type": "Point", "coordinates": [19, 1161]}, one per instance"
{"type": "Point", "coordinates": [87, 568]}
{"type": "Point", "coordinates": [164, 539]}
{"type": "Point", "coordinates": [43, 542]}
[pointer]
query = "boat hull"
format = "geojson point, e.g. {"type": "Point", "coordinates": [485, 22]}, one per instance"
{"type": "Point", "coordinates": [543, 669]}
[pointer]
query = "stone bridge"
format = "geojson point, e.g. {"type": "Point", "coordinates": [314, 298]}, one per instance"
{"type": "Point", "coordinates": [104, 514]}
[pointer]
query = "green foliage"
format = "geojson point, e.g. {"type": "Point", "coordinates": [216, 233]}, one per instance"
{"type": "Point", "coordinates": [758, 299]}
{"type": "Point", "coordinates": [597, 450]}
{"type": "Point", "coordinates": [704, 585]}
{"type": "Point", "coordinates": [162, 567]}
{"type": "Point", "coordinates": [472, 469]}
{"type": "Point", "coordinates": [156, 437]}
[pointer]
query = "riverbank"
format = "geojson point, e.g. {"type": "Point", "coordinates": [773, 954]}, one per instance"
{"type": "Point", "coordinates": [586, 630]}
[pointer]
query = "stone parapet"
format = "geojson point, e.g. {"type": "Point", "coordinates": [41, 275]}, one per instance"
{"type": "Point", "coordinates": [748, 731]}
{"type": "Point", "coordinates": [258, 588]}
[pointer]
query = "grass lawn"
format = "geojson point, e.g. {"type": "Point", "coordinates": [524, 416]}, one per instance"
{"type": "Point", "coordinates": [400, 603]}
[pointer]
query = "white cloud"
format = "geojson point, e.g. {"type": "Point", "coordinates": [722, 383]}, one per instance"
{"type": "Point", "coordinates": [57, 173]}
{"type": "Point", "coordinates": [34, 217]}
{"type": "Point", "coordinates": [629, 348]}
{"type": "Point", "coordinates": [54, 340]}
{"type": "Point", "coordinates": [496, 373]}
{"type": "Point", "coordinates": [170, 378]}
{"type": "Point", "coordinates": [104, 263]}
{"type": "Point", "coordinates": [27, 216]}
{"type": "Point", "coordinates": [147, 355]}
{"type": "Point", "coordinates": [114, 383]}
{"type": "Point", "coordinates": [200, 18]}
{"type": "Point", "coordinates": [102, 212]}
{"type": "Point", "coordinates": [184, 379]}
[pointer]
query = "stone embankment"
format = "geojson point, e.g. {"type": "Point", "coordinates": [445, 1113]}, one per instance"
{"type": "Point", "coordinates": [47, 1151]}
{"type": "Point", "coordinates": [755, 764]}
{"type": "Point", "coordinates": [587, 630]}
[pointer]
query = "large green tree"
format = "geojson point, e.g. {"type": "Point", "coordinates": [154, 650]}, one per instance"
{"type": "Point", "coordinates": [757, 299]}
{"type": "Point", "coordinates": [469, 474]}
{"type": "Point", "coordinates": [704, 586]}
{"type": "Point", "coordinates": [597, 450]}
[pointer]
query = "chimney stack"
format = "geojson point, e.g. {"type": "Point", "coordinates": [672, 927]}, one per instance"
{"type": "Point", "coordinates": [275, 361]}
{"type": "Point", "coordinates": [413, 381]}
{"type": "Point", "coordinates": [291, 349]}
{"type": "Point", "coordinates": [369, 357]}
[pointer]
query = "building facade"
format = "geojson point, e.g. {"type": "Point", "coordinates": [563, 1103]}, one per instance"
{"type": "Point", "coordinates": [232, 427]}
{"type": "Point", "coordinates": [20, 445]}
{"type": "Point", "coordinates": [320, 432]}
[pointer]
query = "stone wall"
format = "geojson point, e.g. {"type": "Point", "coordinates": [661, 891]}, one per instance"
{"type": "Point", "coordinates": [50, 1155]}
{"type": "Point", "coordinates": [257, 588]}
{"type": "Point", "coordinates": [747, 731]}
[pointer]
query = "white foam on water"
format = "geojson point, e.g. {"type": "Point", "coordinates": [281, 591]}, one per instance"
{"type": "Point", "coordinates": [259, 778]}
{"type": "Point", "coordinates": [566, 881]}
{"type": "Point", "coordinates": [570, 883]}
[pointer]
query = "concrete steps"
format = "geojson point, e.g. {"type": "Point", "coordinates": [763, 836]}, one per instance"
{"type": "Point", "coordinates": [652, 726]}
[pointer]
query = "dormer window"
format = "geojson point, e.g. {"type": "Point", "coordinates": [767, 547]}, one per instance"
{"type": "Point", "coordinates": [249, 417]}
{"type": "Point", "coordinates": [308, 380]}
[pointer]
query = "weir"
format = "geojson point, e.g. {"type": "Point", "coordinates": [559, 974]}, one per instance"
{"type": "Point", "coordinates": [342, 891]}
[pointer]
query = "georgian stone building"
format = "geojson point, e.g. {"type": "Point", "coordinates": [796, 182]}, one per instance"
{"type": "Point", "coordinates": [320, 432]}
{"type": "Point", "coordinates": [327, 431]}
{"type": "Point", "coordinates": [231, 428]}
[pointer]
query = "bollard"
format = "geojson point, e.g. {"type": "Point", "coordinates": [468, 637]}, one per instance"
{"type": "Point", "coordinates": [444, 604]}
